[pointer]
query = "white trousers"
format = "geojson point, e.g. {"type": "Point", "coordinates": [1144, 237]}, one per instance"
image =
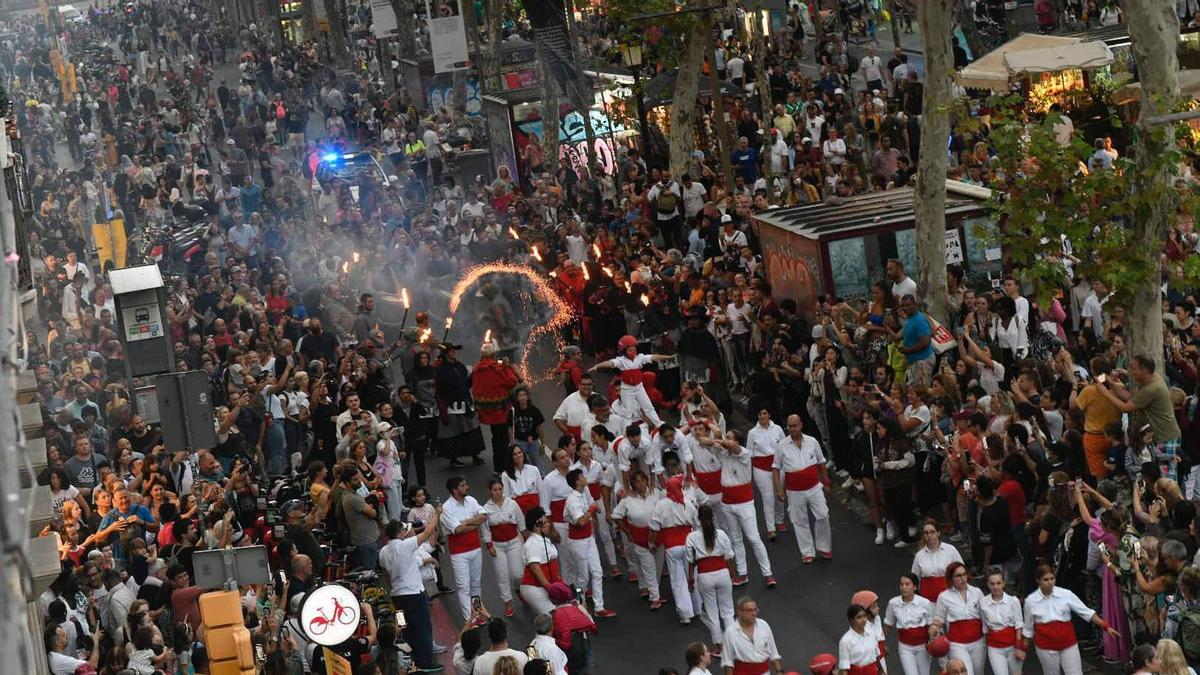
{"type": "Point", "coordinates": [605, 537]}
{"type": "Point", "coordinates": [635, 399]}
{"type": "Point", "coordinates": [716, 597]}
{"type": "Point", "coordinates": [1191, 484]}
{"type": "Point", "coordinates": [800, 504]}
{"type": "Point", "coordinates": [1003, 660]}
{"type": "Point", "coordinates": [973, 654]}
{"type": "Point", "coordinates": [566, 559]}
{"type": "Point", "coordinates": [649, 568]}
{"type": "Point", "coordinates": [537, 598]}
{"type": "Point", "coordinates": [509, 565]}
{"type": "Point", "coordinates": [468, 577]}
{"type": "Point", "coordinates": [773, 507]}
{"type": "Point", "coordinates": [676, 558]}
{"type": "Point", "coordinates": [587, 560]}
{"type": "Point", "coordinates": [743, 529]}
{"type": "Point", "coordinates": [914, 659]}
{"type": "Point", "coordinates": [1066, 661]}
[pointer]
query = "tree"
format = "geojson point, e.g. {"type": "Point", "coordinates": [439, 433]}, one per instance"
{"type": "Point", "coordinates": [337, 32]}
{"type": "Point", "coordinates": [934, 17]}
{"type": "Point", "coordinates": [687, 86]}
{"type": "Point", "coordinates": [406, 34]}
{"type": "Point", "coordinates": [964, 16]}
{"type": "Point", "coordinates": [308, 19]}
{"type": "Point", "coordinates": [550, 112]}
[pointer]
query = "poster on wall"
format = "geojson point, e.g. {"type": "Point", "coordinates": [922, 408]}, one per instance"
{"type": "Point", "coordinates": [383, 18]}
{"type": "Point", "coordinates": [447, 36]}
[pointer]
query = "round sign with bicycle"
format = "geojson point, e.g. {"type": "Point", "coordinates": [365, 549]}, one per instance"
{"type": "Point", "coordinates": [329, 614]}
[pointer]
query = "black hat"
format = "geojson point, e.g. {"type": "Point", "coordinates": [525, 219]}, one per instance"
{"type": "Point", "coordinates": [447, 346]}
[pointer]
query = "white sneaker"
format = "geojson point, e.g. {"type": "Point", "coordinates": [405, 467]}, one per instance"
{"type": "Point", "coordinates": [900, 543]}
{"type": "Point", "coordinates": [879, 536]}
{"type": "Point", "coordinates": [848, 483]}
{"type": "Point", "coordinates": [891, 531]}
{"type": "Point", "coordinates": [842, 473]}
{"type": "Point", "coordinates": [912, 531]}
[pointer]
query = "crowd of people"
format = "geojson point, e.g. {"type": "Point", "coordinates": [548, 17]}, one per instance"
{"type": "Point", "coordinates": [696, 417]}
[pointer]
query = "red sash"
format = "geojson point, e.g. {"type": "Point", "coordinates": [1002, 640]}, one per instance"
{"type": "Point", "coordinates": [577, 432]}
{"type": "Point", "coordinates": [1054, 635]}
{"type": "Point", "coordinates": [914, 637]}
{"type": "Point", "coordinates": [640, 535]}
{"type": "Point", "coordinates": [631, 377]}
{"type": "Point", "coordinates": [737, 494]}
{"type": "Point", "coordinates": [557, 508]}
{"type": "Point", "coordinates": [747, 668]}
{"type": "Point", "coordinates": [712, 563]}
{"type": "Point", "coordinates": [594, 491]}
{"type": "Point", "coordinates": [764, 463]}
{"type": "Point", "coordinates": [463, 543]}
{"type": "Point", "coordinates": [869, 669]}
{"type": "Point", "coordinates": [804, 479]}
{"type": "Point", "coordinates": [550, 569]}
{"type": "Point", "coordinates": [1005, 637]}
{"type": "Point", "coordinates": [580, 531]}
{"type": "Point", "coordinates": [504, 532]}
{"type": "Point", "coordinates": [674, 536]}
{"type": "Point", "coordinates": [966, 631]}
{"type": "Point", "coordinates": [932, 587]}
{"type": "Point", "coordinates": [527, 501]}
{"type": "Point", "coordinates": [709, 482]}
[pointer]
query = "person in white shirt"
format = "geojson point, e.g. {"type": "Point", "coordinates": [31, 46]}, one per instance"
{"type": "Point", "coordinates": [709, 555]}
{"type": "Point", "coordinates": [544, 647]}
{"type": "Point", "coordinates": [749, 641]}
{"type": "Point", "coordinates": [671, 522]}
{"type": "Point", "coordinates": [910, 615]}
{"type": "Point", "coordinates": [872, 69]}
{"type": "Point", "coordinates": [574, 410]}
{"type": "Point", "coordinates": [59, 662]}
{"type": "Point", "coordinates": [760, 441]}
{"type": "Point", "coordinates": [960, 617]}
{"type": "Point", "coordinates": [1092, 314]}
{"type": "Point", "coordinates": [697, 657]}
{"type": "Point", "coordinates": [800, 479]}
{"type": "Point", "coordinates": [694, 196]}
{"type": "Point", "coordinates": [737, 502]}
{"type": "Point", "coordinates": [735, 68]}
{"type": "Point", "coordinates": [834, 148]}
{"type": "Point", "coordinates": [902, 284]}
{"type": "Point", "coordinates": [633, 448]}
{"type": "Point", "coordinates": [504, 541]}
{"type": "Point", "coordinates": [580, 516]}
{"type": "Point", "coordinates": [485, 663]}
{"type": "Point", "coordinates": [521, 481]}
{"type": "Point", "coordinates": [633, 514]}
{"type": "Point", "coordinates": [554, 492]}
{"type": "Point", "coordinates": [634, 399]}
{"type": "Point", "coordinates": [1003, 621]}
{"type": "Point", "coordinates": [541, 562]}
{"type": "Point", "coordinates": [600, 471]}
{"type": "Point", "coordinates": [1012, 288]}
{"type": "Point", "coordinates": [1048, 623]}
{"type": "Point", "coordinates": [858, 650]}
{"type": "Point", "coordinates": [930, 563]}
{"type": "Point", "coordinates": [462, 517]}
{"type": "Point", "coordinates": [401, 564]}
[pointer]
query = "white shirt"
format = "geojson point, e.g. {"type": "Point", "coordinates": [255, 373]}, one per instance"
{"type": "Point", "coordinates": [790, 457]}
{"type": "Point", "coordinates": [951, 606]}
{"type": "Point", "coordinates": [485, 663]}
{"type": "Point", "coordinates": [913, 614]}
{"type": "Point", "coordinates": [637, 510]}
{"type": "Point", "coordinates": [573, 411]}
{"type": "Point", "coordinates": [455, 513]}
{"type": "Point", "coordinates": [577, 508]}
{"type": "Point", "coordinates": [1094, 310]}
{"type": "Point", "coordinates": [735, 469]}
{"type": "Point", "coordinates": [905, 286]}
{"type": "Point", "coordinates": [669, 513]}
{"type": "Point", "coordinates": [1002, 613]}
{"type": "Point", "coordinates": [834, 150]}
{"type": "Point", "coordinates": [615, 424]}
{"type": "Point", "coordinates": [643, 452]}
{"type": "Point", "coordinates": [554, 488]}
{"type": "Point", "coordinates": [547, 649]}
{"type": "Point", "coordinates": [740, 647]}
{"type": "Point", "coordinates": [539, 549]}
{"type": "Point", "coordinates": [694, 548]}
{"type": "Point", "coordinates": [655, 191]}
{"type": "Point", "coordinates": [929, 563]}
{"type": "Point", "coordinates": [735, 68]}
{"type": "Point", "coordinates": [399, 557]}
{"type": "Point", "coordinates": [857, 649]}
{"type": "Point", "coordinates": [693, 199]}
{"type": "Point", "coordinates": [761, 441]}
{"type": "Point", "coordinates": [527, 481]}
{"type": "Point", "coordinates": [507, 513]}
{"type": "Point", "coordinates": [736, 325]}
{"type": "Point", "coordinates": [872, 68]}
{"type": "Point", "coordinates": [1058, 606]}
{"type": "Point", "coordinates": [61, 664]}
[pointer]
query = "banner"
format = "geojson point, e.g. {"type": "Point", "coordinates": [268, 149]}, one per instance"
{"type": "Point", "coordinates": [447, 35]}
{"type": "Point", "coordinates": [383, 18]}
{"type": "Point", "coordinates": [549, 21]}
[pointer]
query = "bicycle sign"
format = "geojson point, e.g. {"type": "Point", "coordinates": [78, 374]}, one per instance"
{"type": "Point", "coordinates": [329, 614]}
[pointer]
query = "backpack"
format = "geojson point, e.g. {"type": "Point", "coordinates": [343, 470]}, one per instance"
{"type": "Point", "coordinates": [667, 200]}
{"type": "Point", "coordinates": [1189, 632]}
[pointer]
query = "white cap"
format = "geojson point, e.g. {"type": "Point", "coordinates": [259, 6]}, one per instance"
{"type": "Point", "coordinates": [726, 218]}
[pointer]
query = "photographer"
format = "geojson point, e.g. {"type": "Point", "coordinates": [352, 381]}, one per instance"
{"type": "Point", "coordinates": [59, 662]}
{"type": "Point", "coordinates": [360, 516]}
{"type": "Point", "coordinates": [402, 574]}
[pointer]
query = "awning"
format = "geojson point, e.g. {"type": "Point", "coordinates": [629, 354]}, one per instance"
{"type": "Point", "coordinates": [992, 72]}
{"type": "Point", "coordinates": [1084, 55]}
{"type": "Point", "coordinates": [1189, 88]}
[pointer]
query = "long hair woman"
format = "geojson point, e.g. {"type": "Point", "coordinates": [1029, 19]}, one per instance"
{"type": "Point", "coordinates": [709, 554]}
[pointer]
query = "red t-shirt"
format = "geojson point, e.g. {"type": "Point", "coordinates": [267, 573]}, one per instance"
{"type": "Point", "coordinates": [1015, 496]}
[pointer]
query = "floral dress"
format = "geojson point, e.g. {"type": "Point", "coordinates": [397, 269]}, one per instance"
{"type": "Point", "coordinates": [1141, 610]}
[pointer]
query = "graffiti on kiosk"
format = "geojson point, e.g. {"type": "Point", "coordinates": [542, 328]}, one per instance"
{"type": "Point", "coordinates": [442, 95]}
{"type": "Point", "coordinates": [575, 155]}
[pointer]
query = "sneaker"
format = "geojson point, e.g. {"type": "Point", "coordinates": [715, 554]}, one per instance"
{"type": "Point", "coordinates": [808, 560]}
{"type": "Point", "coordinates": [912, 532]}
{"type": "Point", "coordinates": [455, 464]}
{"type": "Point", "coordinates": [656, 605]}
{"type": "Point", "coordinates": [900, 543]}
{"type": "Point", "coordinates": [781, 527]}
{"type": "Point", "coordinates": [740, 581]}
{"type": "Point", "coordinates": [685, 622]}
{"type": "Point", "coordinates": [771, 583]}
{"type": "Point", "coordinates": [509, 612]}
{"type": "Point", "coordinates": [848, 483]}
{"type": "Point", "coordinates": [604, 613]}
{"type": "Point", "coordinates": [957, 538]}
{"type": "Point", "coordinates": [828, 555]}
{"type": "Point", "coordinates": [716, 650]}
{"type": "Point", "coordinates": [439, 648]}
{"type": "Point", "coordinates": [842, 473]}
{"type": "Point", "coordinates": [891, 531]}
{"type": "Point", "coordinates": [859, 486]}
{"type": "Point", "coordinates": [879, 536]}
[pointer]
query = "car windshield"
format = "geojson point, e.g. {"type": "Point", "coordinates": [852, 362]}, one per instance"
{"type": "Point", "coordinates": [347, 166]}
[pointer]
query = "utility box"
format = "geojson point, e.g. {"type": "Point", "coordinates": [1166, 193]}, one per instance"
{"type": "Point", "coordinates": [185, 410]}
{"type": "Point", "coordinates": [140, 296]}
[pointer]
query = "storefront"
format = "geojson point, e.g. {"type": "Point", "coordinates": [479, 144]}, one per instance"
{"type": "Point", "coordinates": [842, 247]}
{"type": "Point", "coordinates": [1048, 69]}
{"type": "Point", "coordinates": [518, 70]}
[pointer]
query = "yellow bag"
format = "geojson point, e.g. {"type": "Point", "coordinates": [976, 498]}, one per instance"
{"type": "Point", "coordinates": [885, 16]}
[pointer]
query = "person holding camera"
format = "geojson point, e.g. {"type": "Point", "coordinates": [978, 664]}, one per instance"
{"type": "Point", "coordinates": [360, 514]}
{"type": "Point", "coordinates": [402, 571]}
{"type": "Point", "coordinates": [61, 663]}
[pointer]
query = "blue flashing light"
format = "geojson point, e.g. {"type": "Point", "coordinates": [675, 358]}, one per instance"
{"type": "Point", "coordinates": [331, 157]}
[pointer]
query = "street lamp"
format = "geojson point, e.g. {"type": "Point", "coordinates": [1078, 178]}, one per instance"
{"type": "Point", "coordinates": [631, 56]}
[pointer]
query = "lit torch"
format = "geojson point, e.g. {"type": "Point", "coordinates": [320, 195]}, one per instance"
{"type": "Point", "coordinates": [586, 276]}
{"type": "Point", "coordinates": [425, 335]}
{"type": "Point", "coordinates": [356, 257]}
{"type": "Point", "coordinates": [596, 250]}
{"type": "Point", "coordinates": [346, 267]}
{"type": "Point", "coordinates": [407, 305]}
{"type": "Point", "coordinates": [536, 255]}
{"type": "Point", "coordinates": [513, 232]}
{"type": "Point", "coordinates": [645, 300]}
{"type": "Point", "coordinates": [487, 337]}
{"type": "Point", "coordinates": [607, 271]}
{"type": "Point", "coordinates": [628, 287]}
{"type": "Point", "coordinates": [446, 333]}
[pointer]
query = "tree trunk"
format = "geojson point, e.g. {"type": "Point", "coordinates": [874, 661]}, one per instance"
{"type": "Point", "coordinates": [683, 106]}
{"type": "Point", "coordinates": [964, 16]}
{"type": "Point", "coordinates": [1153, 30]}
{"type": "Point", "coordinates": [935, 21]}
{"type": "Point", "coordinates": [308, 19]}
{"type": "Point", "coordinates": [550, 119]}
{"type": "Point", "coordinates": [406, 33]}
{"type": "Point", "coordinates": [337, 32]}
{"type": "Point", "coordinates": [762, 87]}
{"type": "Point", "coordinates": [489, 58]}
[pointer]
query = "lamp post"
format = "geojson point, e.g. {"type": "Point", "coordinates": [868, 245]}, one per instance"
{"type": "Point", "coordinates": [631, 55]}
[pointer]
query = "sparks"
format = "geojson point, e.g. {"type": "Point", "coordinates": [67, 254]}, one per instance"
{"type": "Point", "coordinates": [449, 322]}
{"type": "Point", "coordinates": [425, 335]}
{"type": "Point", "coordinates": [562, 314]}
{"type": "Point", "coordinates": [645, 300]}
{"type": "Point", "coordinates": [536, 255]}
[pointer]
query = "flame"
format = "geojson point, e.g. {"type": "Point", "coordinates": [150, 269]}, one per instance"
{"type": "Point", "coordinates": [425, 334]}
{"type": "Point", "coordinates": [513, 232]}
{"type": "Point", "coordinates": [607, 271]}
{"type": "Point", "coordinates": [553, 274]}
{"type": "Point", "coordinates": [356, 257]}
{"type": "Point", "coordinates": [628, 287]}
{"type": "Point", "coordinates": [536, 255]}
{"type": "Point", "coordinates": [645, 300]}
{"type": "Point", "coordinates": [449, 322]}
{"type": "Point", "coordinates": [404, 298]}
{"type": "Point", "coordinates": [562, 314]}
{"type": "Point", "coordinates": [487, 336]}
{"type": "Point", "coordinates": [596, 250]}
{"type": "Point", "coordinates": [346, 267]}
{"type": "Point", "coordinates": [586, 276]}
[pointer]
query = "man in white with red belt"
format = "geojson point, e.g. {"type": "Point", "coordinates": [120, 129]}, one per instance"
{"type": "Point", "coordinates": [737, 502]}
{"type": "Point", "coordinates": [671, 523]}
{"type": "Point", "coordinates": [705, 467]}
{"type": "Point", "coordinates": [573, 410]}
{"type": "Point", "coordinates": [461, 519]}
{"type": "Point", "coordinates": [602, 415]}
{"type": "Point", "coordinates": [801, 480]}
{"type": "Point", "coordinates": [749, 647]}
{"type": "Point", "coordinates": [580, 516]}
{"type": "Point", "coordinates": [761, 440]}
{"type": "Point", "coordinates": [554, 493]}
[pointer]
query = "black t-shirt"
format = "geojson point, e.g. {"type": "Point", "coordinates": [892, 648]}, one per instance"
{"type": "Point", "coordinates": [525, 422]}
{"type": "Point", "coordinates": [995, 530]}
{"type": "Point", "coordinates": [323, 344]}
